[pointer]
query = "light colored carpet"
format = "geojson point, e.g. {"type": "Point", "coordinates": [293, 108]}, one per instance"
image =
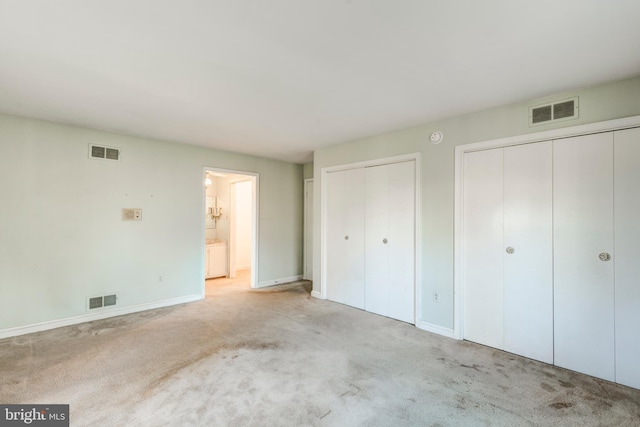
{"type": "Point", "coordinates": [279, 357]}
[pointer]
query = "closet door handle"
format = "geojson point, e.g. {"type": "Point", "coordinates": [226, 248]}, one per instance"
{"type": "Point", "coordinates": [384, 241]}
{"type": "Point", "coordinates": [510, 250]}
{"type": "Point", "coordinates": [604, 256]}
{"type": "Point", "coordinates": [346, 237]}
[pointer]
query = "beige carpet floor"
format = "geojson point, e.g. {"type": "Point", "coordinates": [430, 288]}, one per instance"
{"type": "Point", "coordinates": [277, 357]}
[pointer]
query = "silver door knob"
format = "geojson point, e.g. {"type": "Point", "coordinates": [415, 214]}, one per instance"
{"type": "Point", "coordinates": [346, 237]}
{"type": "Point", "coordinates": [510, 250]}
{"type": "Point", "coordinates": [384, 241]}
{"type": "Point", "coordinates": [604, 256]}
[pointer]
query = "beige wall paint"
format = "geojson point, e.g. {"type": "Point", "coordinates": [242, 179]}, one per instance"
{"type": "Point", "coordinates": [610, 101]}
{"type": "Point", "coordinates": [61, 234]}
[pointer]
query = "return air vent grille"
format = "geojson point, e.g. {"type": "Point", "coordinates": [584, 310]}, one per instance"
{"type": "Point", "coordinates": [101, 301]}
{"type": "Point", "coordinates": [109, 300]}
{"type": "Point", "coordinates": [554, 112]}
{"type": "Point", "coordinates": [95, 302]}
{"type": "Point", "coordinates": [104, 153]}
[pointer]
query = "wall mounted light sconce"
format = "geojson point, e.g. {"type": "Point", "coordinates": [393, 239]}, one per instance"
{"type": "Point", "coordinates": [215, 212]}
{"type": "Point", "coordinates": [207, 181]}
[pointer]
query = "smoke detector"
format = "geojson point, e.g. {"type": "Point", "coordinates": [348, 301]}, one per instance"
{"type": "Point", "coordinates": [436, 137]}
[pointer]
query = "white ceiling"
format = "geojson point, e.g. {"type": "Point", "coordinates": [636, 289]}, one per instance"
{"type": "Point", "coordinates": [279, 78]}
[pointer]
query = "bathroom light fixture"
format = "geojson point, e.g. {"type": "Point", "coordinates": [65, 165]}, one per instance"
{"type": "Point", "coordinates": [214, 211]}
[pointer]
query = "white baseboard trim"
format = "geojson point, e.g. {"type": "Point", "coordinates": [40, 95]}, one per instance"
{"type": "Point", "coordinates": [243, 267]}
{"type": "Point", "coordinates": [436, 329]}
{"type": "Point", "coordinates": [316, 294]}
{"type": "Point", "coordinates": [89, 317]}
{"type": "Point", "coordinates": [279, 281]}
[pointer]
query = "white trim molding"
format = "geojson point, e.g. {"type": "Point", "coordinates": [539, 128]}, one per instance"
{"type": "Point", "coordinates": [567, 132]}
{"type": "Point", "coordinates": [436, 329]}
{"type": "Point", "coordinates": [316, 294]}
{"type": "Point", "coordinates": [89, 317]}
{"type": "Point", "coordinates": [280, 281]}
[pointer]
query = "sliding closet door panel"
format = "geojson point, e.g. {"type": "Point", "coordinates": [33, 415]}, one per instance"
{"type": "Point", "coordinates": [483, 249]}
{"type": "Point", "coordinates": [583, 229]}
{"type": "Point", "coordinates": [528, 269]}
{"type": "Point", "coordinates": [627, 260]}
{"type": "Point", "coordinates": [401, 244]}
{"type": "Point", "coordinates": [376, 229]}
{"type": "Point", "coordinates": [345, 237]}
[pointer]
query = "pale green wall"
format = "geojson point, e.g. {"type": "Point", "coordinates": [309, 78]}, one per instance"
{"type": "Point", "coordinates": [61, 234]}
{"type": "Point", "coordinates": [610, 101]}
{"type": "Point", "coordinates": [308, 170]}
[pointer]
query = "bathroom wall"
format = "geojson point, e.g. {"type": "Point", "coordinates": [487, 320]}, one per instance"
{"type": "Point", "coordinates": [219, 188]}
{"type": "Point", "coordinates": [243, 224]}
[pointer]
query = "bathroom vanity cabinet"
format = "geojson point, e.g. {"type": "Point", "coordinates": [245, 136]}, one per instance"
{"type": "Point", "coordinates": [216, 259]}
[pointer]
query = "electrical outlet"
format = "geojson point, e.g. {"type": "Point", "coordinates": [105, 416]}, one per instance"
{"type": "Point", "coordinates": [137, 214]}
{"type": "Point", "coordinates": [436, 297]}
{"type": "Point", "coordinates": [159, 278]}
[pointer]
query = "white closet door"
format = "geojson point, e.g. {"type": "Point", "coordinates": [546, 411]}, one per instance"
{"type": "Point", "coordinates": [483, 247]}
{"type": "Point", "coordinates": [583, 229]}
{"type": "Point", "coordinates": [401, 241]}
{"type": "Point", "coordinates": [627, 260]}
{"type": "Point", "coordinates": [390, 240]}
{"type": "Point", "coordinates": [345, 237]}
{"type": "Point", "coordinates": [376, 229]}
{"type": "Point", "coordinates": [528, 270]}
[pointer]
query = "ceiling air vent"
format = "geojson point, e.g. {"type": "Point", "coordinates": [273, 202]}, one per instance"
{"type": "Point", "coordinates": [104, 153]}
{"type": "Point", "coordinates": [554, 112]}
{"type": "Point", "coordinates": [101, 301]}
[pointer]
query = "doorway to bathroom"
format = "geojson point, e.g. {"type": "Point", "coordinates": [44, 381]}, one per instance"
{"type": "Point", "coordinates": [230, 228]}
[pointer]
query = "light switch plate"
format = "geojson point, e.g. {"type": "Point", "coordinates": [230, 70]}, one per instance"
{"type": "Point", "coordinates": [132, 214]}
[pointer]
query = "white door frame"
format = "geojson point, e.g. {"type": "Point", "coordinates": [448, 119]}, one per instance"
{"type": "Point", "coordinates": [458, 288]}
{"type": "Point", "coordinates": [255, 177]}
{"type": "Point", "coordinates": [323, 221]}
{"type": "Point", "coordinates": [308, 209]}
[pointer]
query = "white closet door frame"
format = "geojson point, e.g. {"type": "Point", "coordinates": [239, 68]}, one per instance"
{"type": "Point", "coordinates": [323, 219]}
{"type": "Point", "coordinates": [610, 125]}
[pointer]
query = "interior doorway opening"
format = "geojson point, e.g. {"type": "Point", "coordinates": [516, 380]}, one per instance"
{"type": "Point", "coordinates": [230, 228]}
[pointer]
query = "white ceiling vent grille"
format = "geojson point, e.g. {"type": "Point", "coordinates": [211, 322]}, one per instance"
{"type": "Point", "coordinates": [554, 112]}
{"type": "Point", "coordinates": [104, 153]}
{"type": "Point", "coordinates": [102, 301]}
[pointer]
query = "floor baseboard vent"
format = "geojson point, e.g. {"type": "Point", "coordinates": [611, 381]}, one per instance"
{"type": "Point", "coordinates": [102, 301]}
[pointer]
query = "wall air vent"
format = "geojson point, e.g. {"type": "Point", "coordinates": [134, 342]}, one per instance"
{"type": "Point", "coordinates": [102, 301]}
{"type": "Point", "coordinates": [554, 112]}
{"type": "Point", "coordinates": [104, 153]}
